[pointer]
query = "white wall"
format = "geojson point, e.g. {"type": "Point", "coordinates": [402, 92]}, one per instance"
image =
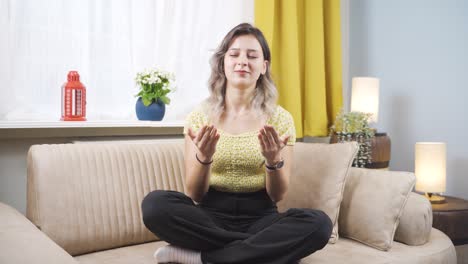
{"type": "Point", "coordinates": [419, 50]}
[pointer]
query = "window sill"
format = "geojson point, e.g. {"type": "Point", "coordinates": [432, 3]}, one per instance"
{"type": "Point", "coordinates": [48, 129]}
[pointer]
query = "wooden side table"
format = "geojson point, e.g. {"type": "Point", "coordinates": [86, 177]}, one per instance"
{"type": "Point", "coordinates": [452, 219]}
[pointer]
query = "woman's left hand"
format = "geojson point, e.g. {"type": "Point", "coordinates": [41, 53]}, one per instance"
{"type": "Point", "coordinates": [271, 144]}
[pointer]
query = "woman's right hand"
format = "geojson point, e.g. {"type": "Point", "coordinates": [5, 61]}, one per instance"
{"type": "Point", "coordinates": [205, 141]}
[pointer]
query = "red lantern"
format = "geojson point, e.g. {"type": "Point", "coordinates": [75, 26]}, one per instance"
{"type": "Point", "coordinates": [73, 99]}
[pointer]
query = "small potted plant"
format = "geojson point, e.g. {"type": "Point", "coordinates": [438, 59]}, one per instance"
{"type": "Point", "coordinates": [354, 126]}
{"type": "Point", "coordinates": [154, 85]}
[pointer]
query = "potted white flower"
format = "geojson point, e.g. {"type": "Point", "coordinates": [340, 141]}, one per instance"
{"type": "Point", "coordinates": [154, 86]}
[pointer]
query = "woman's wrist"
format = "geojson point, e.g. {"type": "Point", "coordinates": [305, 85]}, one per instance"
{"type": "Point", "coordinates": [271, 162]}
{"type": "Point", "coordinates": [203, 159]}
{"type": "Point", "coordinates": [275, 166]}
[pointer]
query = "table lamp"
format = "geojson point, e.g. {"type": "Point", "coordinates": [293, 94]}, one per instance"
{"type": "Point", "coordinates": [430, 169]}
{"type": "Point", "coordinates": [365, 98]}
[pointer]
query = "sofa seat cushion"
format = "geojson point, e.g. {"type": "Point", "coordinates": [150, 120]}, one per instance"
{"type": "Point", "coordinates": [137, 254]}
{"type": "Point", "coordinates": [439, 249]}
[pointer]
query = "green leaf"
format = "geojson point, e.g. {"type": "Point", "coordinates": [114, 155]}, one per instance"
{"type": "Point", "coordinates": [165, 100]}
{"type": "Point", "coordinates": [146, 101]}
{"type": "Point", "coordinates": [164, 92]}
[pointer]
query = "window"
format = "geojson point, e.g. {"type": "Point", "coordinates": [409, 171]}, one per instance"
{"type": "Point", "coordinates": [107, 42]}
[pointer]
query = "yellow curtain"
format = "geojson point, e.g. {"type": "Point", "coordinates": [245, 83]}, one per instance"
{"type": "Point", "coordinates": [305, 41]}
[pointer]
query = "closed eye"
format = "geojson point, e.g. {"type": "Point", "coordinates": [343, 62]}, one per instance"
{"type": "Point", "coordinates": [236, 55]}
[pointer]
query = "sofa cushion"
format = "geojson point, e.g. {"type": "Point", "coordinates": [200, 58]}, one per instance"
{"type": "Point", "coordinates": [136, 254]}
{"type": "Point", "coordinates": [87, 197]}
{"type": "Point", "coordinates": [415, 222]}
{"type": "Point", "coordinates": [439, 249]}
{"type": "Point", "coordinates": [319, 177]}
{"type": "Point", "coordinates": [373, 202]}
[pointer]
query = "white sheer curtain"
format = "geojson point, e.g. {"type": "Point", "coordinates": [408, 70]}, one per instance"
{"type": "Point", "coordinates": [107, 42]}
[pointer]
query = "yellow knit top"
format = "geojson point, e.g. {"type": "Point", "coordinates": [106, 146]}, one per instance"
{"type": "Point", "coordinates": [237, 163]}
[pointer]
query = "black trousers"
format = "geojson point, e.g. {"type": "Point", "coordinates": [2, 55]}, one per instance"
{"type": "Point", "coordinates": [236, 227]}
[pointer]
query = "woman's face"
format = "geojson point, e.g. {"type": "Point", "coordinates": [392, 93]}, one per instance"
{"type": "Point", "coordinates": [244, 62]}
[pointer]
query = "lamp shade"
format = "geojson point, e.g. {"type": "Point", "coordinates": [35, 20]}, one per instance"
{"type": "Point", "coordinates": [365, 96]}
{"type": "Point", "coordinates": [430, 166]}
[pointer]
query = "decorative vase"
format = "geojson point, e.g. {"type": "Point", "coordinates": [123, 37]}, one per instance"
{"type": "Point", "coordinates": [154, 112]}
{"type": "Point", "coordinates": [379, 151]}
{"type": "Point", "coordinates": [364, 154]}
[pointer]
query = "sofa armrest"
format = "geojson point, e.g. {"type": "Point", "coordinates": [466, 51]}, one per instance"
{"type": "Point", "coordinates": [415, 222]}
{"type": "Point", "coordinates": [21, 242]}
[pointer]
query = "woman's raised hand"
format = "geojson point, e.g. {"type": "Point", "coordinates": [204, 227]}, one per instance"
{"type": "Point", "coordinates": [271, 143]}
{"type": "Point", "coordinates": [205, 141]}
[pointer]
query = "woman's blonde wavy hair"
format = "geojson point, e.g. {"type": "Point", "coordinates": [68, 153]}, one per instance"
{"type": "Point", "coordinates": [265, 95]}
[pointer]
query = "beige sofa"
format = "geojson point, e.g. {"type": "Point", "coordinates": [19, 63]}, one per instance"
{"type": "Point", "coordinates": [83, 206]}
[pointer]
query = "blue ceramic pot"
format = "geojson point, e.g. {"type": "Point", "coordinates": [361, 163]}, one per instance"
{"type": "Point", "coordinates": [154, 112]}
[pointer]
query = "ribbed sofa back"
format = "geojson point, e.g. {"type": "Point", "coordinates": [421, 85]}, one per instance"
{"type": "Point", "coordinates": [87, 197]}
